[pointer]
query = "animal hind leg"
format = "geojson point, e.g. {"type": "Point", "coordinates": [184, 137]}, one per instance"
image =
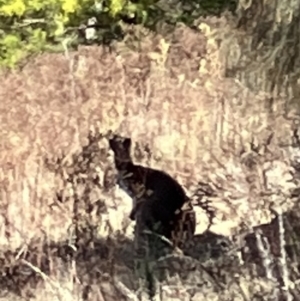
{"type": "Point", "coordinates": [184, 227]}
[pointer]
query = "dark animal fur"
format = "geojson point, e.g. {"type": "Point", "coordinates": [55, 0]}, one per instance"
{"type": "Point", "coordinates": [156, 195]}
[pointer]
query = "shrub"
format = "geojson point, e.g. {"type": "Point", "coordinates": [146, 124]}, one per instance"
{"type": "Point", "coordinates": [33, 26]}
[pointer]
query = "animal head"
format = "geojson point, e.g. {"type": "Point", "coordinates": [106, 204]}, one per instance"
{"type": "Point", "coordinates": [121, 147]}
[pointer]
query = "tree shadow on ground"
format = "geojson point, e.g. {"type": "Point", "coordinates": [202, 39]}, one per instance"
{"type": "Point", "coordinates": [104, 263]}
{"type": "Point", "coordinates": [97, 262]}
{"type": "Point", "coordinates": [274, 247]}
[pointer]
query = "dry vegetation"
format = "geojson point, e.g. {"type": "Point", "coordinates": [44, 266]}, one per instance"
{"type": "Point", "coordinates": [172, 98]}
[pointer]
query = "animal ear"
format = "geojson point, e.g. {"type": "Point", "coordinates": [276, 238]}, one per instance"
{"type": "Point", "coordinates": [111, 142]}
{"type": "Point", "coordinates": [109, 135]}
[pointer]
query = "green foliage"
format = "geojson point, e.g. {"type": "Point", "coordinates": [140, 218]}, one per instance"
{"type": "Point", "coordinates": [10, 8]}
{"type": "Point", "coordinates": [10, 47]}
{"type": "Point", "coordinates": [33, 26]}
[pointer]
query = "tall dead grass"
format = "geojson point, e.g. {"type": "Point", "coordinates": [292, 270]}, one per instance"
{"type": "Point", "coordinates": [172, 98]}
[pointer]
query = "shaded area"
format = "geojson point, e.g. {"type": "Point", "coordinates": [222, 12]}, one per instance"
{"type": "Point", "coordinates": [159, 17]}
{"type": "Point", "coordinates": [98, 261]}
{"type": "Point", "coordinates": [273, 249]}
{"type": "Point", "coordinates": [210, 264]}
{"type": "Point", "coordinates": [160, 14]}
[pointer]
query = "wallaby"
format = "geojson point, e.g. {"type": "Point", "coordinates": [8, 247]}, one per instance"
{"type": "Point", "coordinates": [159, 197]}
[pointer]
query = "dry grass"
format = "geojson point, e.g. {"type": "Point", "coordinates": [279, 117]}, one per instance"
{"type": "Point", "coordinates": [172, 98]}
